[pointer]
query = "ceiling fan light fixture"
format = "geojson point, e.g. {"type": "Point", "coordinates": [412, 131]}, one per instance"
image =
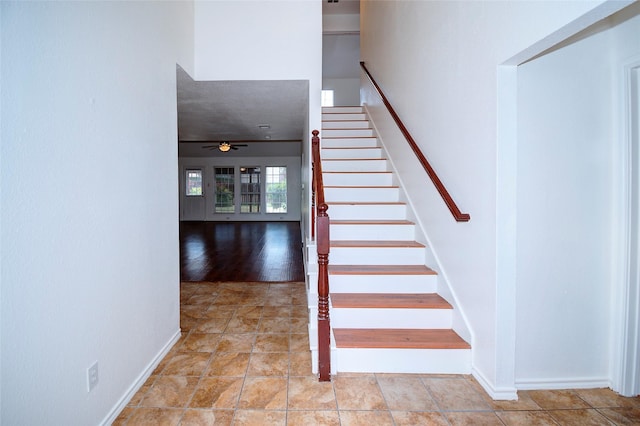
{"type": "Point", "coordinates": [224, 146]}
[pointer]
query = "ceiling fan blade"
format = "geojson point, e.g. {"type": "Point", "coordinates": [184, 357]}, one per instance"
{"type": "Point", "coordinates": [234, 147]}
{"type": "Point", "coordinates": [238, 144]}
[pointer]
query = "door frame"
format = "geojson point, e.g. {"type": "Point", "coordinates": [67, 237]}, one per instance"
{"type": "Point", "coordinates": [626, 325]}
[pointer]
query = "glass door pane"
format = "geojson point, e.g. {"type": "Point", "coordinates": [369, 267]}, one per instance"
{"type": "Point", "coordinates": [225, 184]}
{"type": "Point", "coordinates": [276, 189]}
{"type": "Point", "coordinates": [250, 190]}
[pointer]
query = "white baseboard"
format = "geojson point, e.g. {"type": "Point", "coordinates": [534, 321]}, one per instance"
{"type": "Point", "coordinates": [564, 383]}
{"type": "Point", "coordinates": [498, 394]}
{"type": "Point", "coordinates": [142, 378]}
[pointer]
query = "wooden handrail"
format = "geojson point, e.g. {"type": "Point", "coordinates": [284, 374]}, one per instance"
{"type": "Point", "coordinates": [448, 200]}
{"type": "Point", "coordinates": [320, 219]}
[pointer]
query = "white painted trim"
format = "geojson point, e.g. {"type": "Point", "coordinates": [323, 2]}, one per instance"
{"type": "Point", "coordinates": [142, 378]}
{"type": "Point", "coordinates": [506, 229]}
{"type": "Point", "coordinates": [568, 383]}
{"type": "Point", "coordinates": [507, 393]}
{"type": "Point", "coordinates": [626, 301]}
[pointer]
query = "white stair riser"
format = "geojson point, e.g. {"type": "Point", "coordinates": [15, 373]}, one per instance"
{"type": "Point", "coordinates": [367, 212]}
{"type": "Point", "coordinates": [342, 153]}
{"type": "Point", "coordinates": [361, 194]}
{"type": "Point", "coordinates": [358, 179]}
{"type": "Point", "coordinates": [343, 117]}
{"type": "Point", "coordinates": [381, 284]}
{"type": "Point", "coordinates": [372, 232]}
{"type": "Point", "coordinates": [421, 361]}
{"type": "Point", "coordinates": [347, 133]}
{"type": "Point", "coordinates": [342, 110]}
{"type": "Point", "coordinates": [354, 124]}
{"type": "Point", "coordinates": [354, 166]}
{"type": "Point", "coordinates": [348, 142]}
{"type": "Point", "coordinates": [390, 318]}
{"type": "Point", "coordinates": [377, 256]}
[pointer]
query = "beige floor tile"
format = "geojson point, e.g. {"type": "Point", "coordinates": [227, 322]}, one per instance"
{"type": "Point", "coordinates": [264, 393]}
{"type": "Point", "coordinates": [405, 393]}
{"type": "Point", "coordinates": [622, 415]}
{"type": "Point", "coordinates": [211, 325]}
{"type": "Point", "coordinates": [299, 325]}
{"type": "Point", "coordinates": [200, 417]}
{"type": "Point", "coordinates": [413, 418]}
{"type": "Point", "coordinates": [603, 398]}
{"type": "Point", "coordinates": [230, 342]}
{"type": "Point", "coordinates": [260, 418]}
{"type": "Point", "coordinates": [269, 364]}
{"type": "Point", "coordinates": [276, 312]}
{"type": "Point", "coordinates": [155, 417]}
{"type": "Point", "coordinates": [218, 311]}
{"type": "Point", "coordinates": [228, 364]}
{"type": "Point", "coordinates": [557, 399]}
{"type": "Point", "coordinates": [307, 393]}
{"type": "Point", "coordinates": [123, 416]}
{"type": "Point", "coordinates": [526, 418]}
{"type": "Point", "coordinates": [300, 364]}
{"type": "Point", "coordinates": [358, 393]}
{"type": "Point", "coordinates": [187, 364]}
{"type": "Point", "coordinates": [299, 342]}
{"type": "Point", "coordinates": [170, 391]}
{"type": "Point", "coordinates": [242, 325]}
{"type": "Point", "coordinates": [137, 397]}
{"type": "Point", "coordinates": [217, 392]}
{"type": "Point", "coordinates": [275, 325]}
{"type": "Point", "coordinates": [248, 312]}
{"type": "Point", "coordinates": [200, 342]}
{"type": "Point", "coordinates": [316, 418]}
{"type": "Point", "coordinates": [271, 343]}
{"type": "Point", "coordinates": [581, 417]}
{"type": "Point", "coordinates": [455, 394]}
{"type": "Point", "coordinates": [523, 403]}
{"type": "Point", "coordinates": [475, 418]}
{"type": "Point", "coordinates": [366, 418]}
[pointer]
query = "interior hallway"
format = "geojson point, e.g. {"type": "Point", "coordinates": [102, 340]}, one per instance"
{"type": "Point", "coordinates": [244, 359]}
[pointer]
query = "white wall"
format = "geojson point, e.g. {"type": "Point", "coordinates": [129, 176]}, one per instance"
{"type": "Point", "coordinates": [89, 205]}
{"type": "Point", "coordinates": [294, 191]}
{"type": "Point", "coordinates": [566, 205]}
{"type": "Point", "coordinates": [264, 40]}
{"type": "Point", "coordinates": [442, 82]}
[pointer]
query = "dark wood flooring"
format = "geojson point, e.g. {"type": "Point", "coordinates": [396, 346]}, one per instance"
{"type": "Point", "coordinates": [241, 251]}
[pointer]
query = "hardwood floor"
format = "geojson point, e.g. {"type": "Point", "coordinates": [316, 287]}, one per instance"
{"type": "Point", "coordinates": [241, 252]}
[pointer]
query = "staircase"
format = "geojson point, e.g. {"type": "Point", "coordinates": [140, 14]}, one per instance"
{"type": "Point", "coordinates": [386, 315]}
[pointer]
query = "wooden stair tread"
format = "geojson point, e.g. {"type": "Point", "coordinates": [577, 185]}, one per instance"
{"type": "Point", "coordinates": [380, 270]}
{"type": "Point", "coordinates": [398, 338]}
{"type": "Point", "coordinates": [366, 243]}
{"type": "Point", "coordinates": [371, 222]}
{"type": "Point", "coordinates": [389, 300]}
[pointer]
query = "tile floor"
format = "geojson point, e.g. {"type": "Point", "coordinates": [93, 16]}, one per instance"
{"type": "Point", "coordinates": [243, 359]}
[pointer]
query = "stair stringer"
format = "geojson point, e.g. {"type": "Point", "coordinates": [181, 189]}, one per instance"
{"type": "Point", "coordinates": [460, 323]}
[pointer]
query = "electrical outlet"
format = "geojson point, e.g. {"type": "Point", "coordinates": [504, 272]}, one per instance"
{"type": "Point", "coordinates": [92, 377]}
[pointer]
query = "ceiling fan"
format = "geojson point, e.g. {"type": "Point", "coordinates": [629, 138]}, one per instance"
{"type": "Point", "coordinates": [224, 146]}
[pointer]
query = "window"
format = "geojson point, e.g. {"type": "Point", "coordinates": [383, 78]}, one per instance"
{"type": "Point", "coordinates": [249, 189]}
{"type": "Point", "coordinates": [224, 179]}
{"type": "Point", "coordinates": [193, 183]}
{"type": "Point", "coordinates": [276, 189]}
{"type": "Point", "coordinates": [326, 99]}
